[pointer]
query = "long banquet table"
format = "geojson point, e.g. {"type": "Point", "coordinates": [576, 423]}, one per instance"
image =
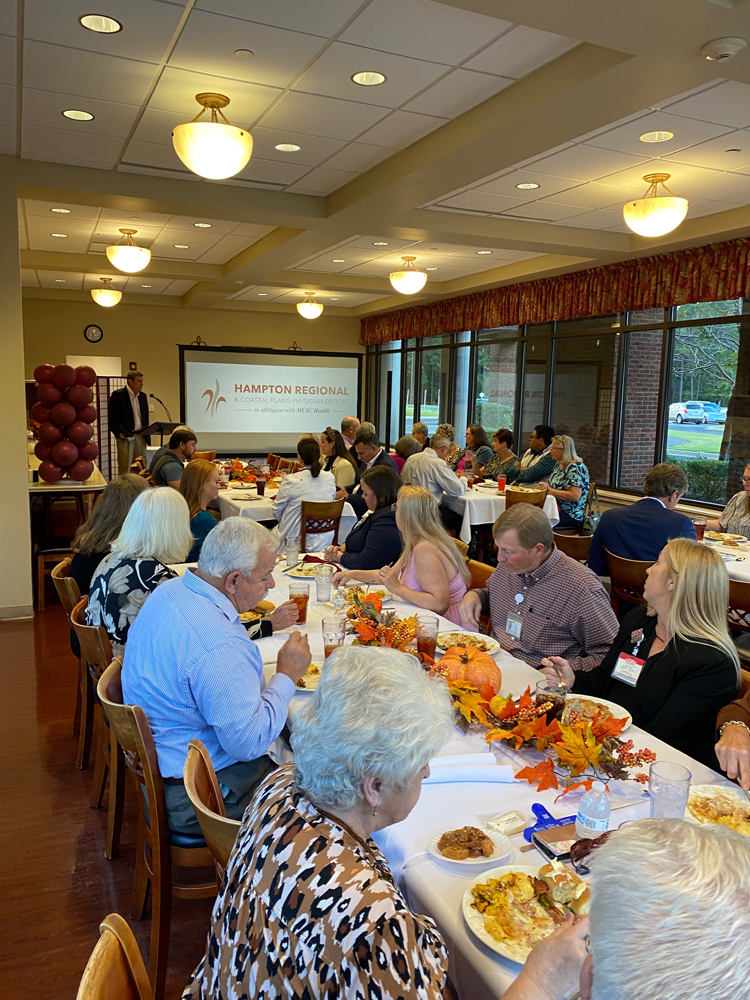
{"type": "Point", "coordinates": [430, 886]}
{"type": "Point", "coordinates": [736, 560]}
{"type": "Point", "coordinates": [246, 503]}
{"type": "Point", "coordinates": [482, 504]}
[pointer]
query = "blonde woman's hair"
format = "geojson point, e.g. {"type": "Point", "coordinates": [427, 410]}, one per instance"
{"type": "Point", "coordinates": [194, 477]}
{"type": "Point", "coordinates": [420, 522]}
{"type": "Point", "coordinates": [309, 437]}
{"type": "Point", "coordinates": [568, 446]}
{"type": "Point", "coordinates": [157, 527]}
{"type": "Point", "coordinates": [698, 612]}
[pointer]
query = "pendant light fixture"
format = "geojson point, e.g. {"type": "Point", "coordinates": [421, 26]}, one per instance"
{"type": "Point", "coordinates": [655, 214]}
{"type": "Point", "coordinates": [127, 256]}
{"type": "Point", "coordinates": [408, 280]}
{"type": "Point", "coordinates": [213, 149]}
{"type": "Point", "coordinates": [308, 307]}
{"type": "Point", "coordinates": [106, 295]}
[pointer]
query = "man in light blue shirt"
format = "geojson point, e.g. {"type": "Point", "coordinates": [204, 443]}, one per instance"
{"type": "Point", "coordinates": [193, 670]}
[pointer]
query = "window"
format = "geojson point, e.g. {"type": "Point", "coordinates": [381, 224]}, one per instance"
{"type": "Point", "coordinates": [533, 408]}
{"type": "Point", "coordinates": [389, 397]}
{"type": "Point", "coordinates": [495, 404]}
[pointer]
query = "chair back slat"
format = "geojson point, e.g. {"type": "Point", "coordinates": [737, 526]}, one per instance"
{"type": "Point", "coordinates": [65, 585]}
{"type": "Point", "coordinates": [628, 578]}
{"type": "Point", "coordinates": [318, 518]}
{"type": "Point", "coordinates": [95, 645]}
{"type": "Point", "coordinates": [273, 461]}
{"type": "Point", "coordinates": [115, 970]}
{"type": "Point", "coordinates": [575, 546]}
{"type": "Point", "coordinates": [207, 456]}
{"type": "Point", "coordinates": [535, 497]}
{"type": "Point", "coordinates": [203, 790]}
{"type": "Point", "coordinates": [738, 610]}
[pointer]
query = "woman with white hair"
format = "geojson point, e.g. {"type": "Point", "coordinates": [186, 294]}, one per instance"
{"type": "Point", "coordinates": [155, 533]}
{"type": "Point", "coordinates": [568, 482]}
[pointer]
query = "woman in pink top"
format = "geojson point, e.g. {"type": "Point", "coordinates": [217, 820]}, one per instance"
{"type": "Point", "coordinates": [430, 572]}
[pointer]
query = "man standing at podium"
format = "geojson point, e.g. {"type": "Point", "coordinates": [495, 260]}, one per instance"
{"type": "Point", "coordinates": [128, 415]}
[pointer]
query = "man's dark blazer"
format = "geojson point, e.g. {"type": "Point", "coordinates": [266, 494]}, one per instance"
{"type": "Point", "coordinates": [639, 531]}
{"type": "Point", "coordinates": [356, 499]}
{"type": "Point", "coordinates": [121, 420]}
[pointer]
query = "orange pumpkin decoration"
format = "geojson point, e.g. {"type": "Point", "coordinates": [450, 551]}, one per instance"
{"type": "Point", "coordinates": [464, 663]}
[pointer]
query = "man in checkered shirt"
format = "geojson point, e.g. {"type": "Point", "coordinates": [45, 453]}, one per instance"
{"type": "Point", "coordinates": [541, 602]}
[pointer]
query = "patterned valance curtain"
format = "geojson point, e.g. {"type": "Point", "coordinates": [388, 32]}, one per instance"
{"type": "Point", "coordinates": [702, 274]}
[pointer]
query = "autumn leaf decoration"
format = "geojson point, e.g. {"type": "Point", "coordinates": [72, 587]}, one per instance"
{"type": "Point", "coordinates": [469, 702]}
{"type": "Point", "coordinates": [544, 773]}
{"type": "Point", "coordinates": [577, 749]}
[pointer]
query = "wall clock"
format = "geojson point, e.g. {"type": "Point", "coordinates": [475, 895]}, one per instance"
{"type": "Point", "coordinates": [93, 333]}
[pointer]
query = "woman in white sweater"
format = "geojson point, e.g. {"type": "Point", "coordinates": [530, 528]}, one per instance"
{"type": "Point", "coordinates": [311, 483]}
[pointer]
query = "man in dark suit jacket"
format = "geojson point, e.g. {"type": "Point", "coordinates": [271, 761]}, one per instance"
{"type": "Point", "coordinates": [370, 453]}
{"type": "Point", "coordinates": [128, 415]}
{"type": "Point", "coordinates": [641, 530]}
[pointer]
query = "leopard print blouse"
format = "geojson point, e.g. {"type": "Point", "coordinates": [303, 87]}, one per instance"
{"type": "Point", "coordinates": [308, 911]}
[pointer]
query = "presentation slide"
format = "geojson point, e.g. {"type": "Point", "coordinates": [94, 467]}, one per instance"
{"type": "Point", "coordinates": [247, 402]}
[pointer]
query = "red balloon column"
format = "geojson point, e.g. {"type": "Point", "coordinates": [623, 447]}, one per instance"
{"type": "Point", "coordinates": [65, 414]}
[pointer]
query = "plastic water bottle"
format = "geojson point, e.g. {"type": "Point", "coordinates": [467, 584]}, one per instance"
{"type": "Point", "coordinates": [593, 812]}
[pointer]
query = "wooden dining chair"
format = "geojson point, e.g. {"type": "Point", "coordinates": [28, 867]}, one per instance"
{"type": "Point", "coordinates": [273, 461]}
{"type": "Point", "coordinates": [158, 851]}
{"type": "Point", "coordinates": [115, 970]}
{"type": "Point", "coordinates": [47, 559]}
{"type": "Point", "coordinates": [208, 456]}
{"type": "Point", "coordinates": [70, 595]}
{"type": "Point", "coordinates": [480, 574]}
{"type": "Point", "coordinates": [462, 547]}
{"type": "Point", "coordinates": [628, 578]}
{"type": "Point", "coordinates": [203, 790]}
{"type": "Point", "coordinates": [138, 465]}
{"type": "Point", "coordinates": [535, 497]}
{"type": "Point", "coordinates": [575, 546]}
{"type": "Point", "coordinates": [318, 518]}
{"type": "Point", "coordinates": [286, 465]}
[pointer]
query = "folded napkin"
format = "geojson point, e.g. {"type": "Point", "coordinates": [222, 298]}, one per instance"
{"type": "Point", "coordinates": [468, 767]}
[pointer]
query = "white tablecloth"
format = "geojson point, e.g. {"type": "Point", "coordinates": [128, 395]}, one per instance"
{"type": "Point", "coordinates": [245, 503]}
{"type": "Point", "coordinates": [737, 561]}
{"type": "Point", "coordinates": [482, 505]}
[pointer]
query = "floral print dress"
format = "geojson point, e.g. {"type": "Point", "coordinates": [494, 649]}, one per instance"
{"type": "Point", "coordinates": [118, 591]}
{"type": "Point", "coordinates": [307, 909]}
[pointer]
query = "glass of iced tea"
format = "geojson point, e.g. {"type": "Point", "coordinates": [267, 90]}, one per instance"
{"type": "Point", "coordinates": [427, 633]}
{"type": "Point", "coordinates": [700, 527]}
{"type": "Point", "coordinates": [469, 482]}
{"type": "Point", "coordinates": [299, 592]}
{"type": "Point", "coordinates": [260, 485]}
{"type": "Point", "coordinates": [334, 633]}
{"type": "Point", "coordinates": [554, 694]}
{"type": "Point", "coordinates": [501, 480]}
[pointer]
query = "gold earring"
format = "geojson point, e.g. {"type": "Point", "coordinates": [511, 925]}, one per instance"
{"type": "Point", "coordinates": [374, 812]}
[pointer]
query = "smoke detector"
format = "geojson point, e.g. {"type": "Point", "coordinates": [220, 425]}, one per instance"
{"type": "Point", "coordinates": [721, 49]}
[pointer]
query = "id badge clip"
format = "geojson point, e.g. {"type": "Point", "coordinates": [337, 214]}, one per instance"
{"type": "Point", "coordinates": [628, 669]}
{"type": "Point", "coordinates": [513, 624]}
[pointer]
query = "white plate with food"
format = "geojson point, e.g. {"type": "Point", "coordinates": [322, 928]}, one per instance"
{"type": "Point", "coordinates": [310, 679]}
{"type": "Point", "coordinates": [484, 643]}
{"type": "Point", "coordinates": [470, 847]}
{"type": "Point", "coordinates": [304, 572]}
{"type": "Point", "coordinates": [725, 805]}
{"type": "Point", "coordinates": [587, 708]}
{"type": "Point", "coordinates": [503, 909]}
{"type": "Point", "coordinates": [259, 611]}
{"type": "Point", "coordinates": [724, 536]}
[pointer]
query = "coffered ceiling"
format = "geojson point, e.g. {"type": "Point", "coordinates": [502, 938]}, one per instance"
{"type": "Point", "coordinates": [479, 96]}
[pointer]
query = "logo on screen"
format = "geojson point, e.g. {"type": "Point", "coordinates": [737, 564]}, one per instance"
{"type": "Point", "coordinates": [213, 398]}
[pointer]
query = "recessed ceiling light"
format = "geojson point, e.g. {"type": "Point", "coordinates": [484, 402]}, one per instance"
{"type": "Point", "coordinates": [287, 147]}
{"type": "Point", "coordinates": [99, 22]}
{"type": "Point", "coordinates": [338, 260]}
{"type": "Point", "coordinates": [368, 78]}
{"type": "Point", "coordinates": [527, 186]}
{"type": "Point", "coordinates": [261, 294]}
{"type": "Point", "coordinates": [181, 246]}
{"type": "Point", "coordinates": [62, 281]}
{"type": "Point", "coordinates": [77, 116]}
{"type": "Point", "coordinates": [432, 269]}
{"type": "Point", "coordinates": [202, 225]}
{"type": "Point", "coordinates": [60, 211]}
{"type": "Point", "coordinates": [135, 218]}
{"type": "Point", "coordinates": [244, 53]}
{"type": "Point", "coordinates": [239, 282]}
{"type": "Point", "coordinates": [481, 252]}
{"type": "Point", "coordinates": [334, 300]}
{"type": "Point", "coordinates": [656, 136]}
{"type": "Point", "coordinates": [145, 286]}
{"type": "Point", "coordinates": [60, 236]}
{"type": "Point", "coordinates": [381, 243]}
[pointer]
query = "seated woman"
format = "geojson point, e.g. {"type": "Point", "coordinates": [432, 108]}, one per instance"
{"type": "Point", "coordinates": [155, 533]}
{"type": "Point", "coordinates": [449, 431]}
{"type": "Point", "coordinates": [93, 539]}
{"type": "Point", "coordinates": [200, 484]}
{"type": "Point", "coordinates": [405, 447]}
{"type": "Point", "coordinates": [338, 459]}
{"type": "Point", "coordinates": [687, 666]}
{"type": "Point", "coordinates": [310, 483]}
{"type": "Point", "coordinates": [477, 446]}
{"type": "Point", "coordinates": [501, 461]}
{"type": "Point", "coordinates": [375, 538]}
{"type": "Point", "coordinates": [430, 572]}
{"type": "Point", "coordinates": [735, 517]}
{"type": "Point", "coordinates": [569, 482]}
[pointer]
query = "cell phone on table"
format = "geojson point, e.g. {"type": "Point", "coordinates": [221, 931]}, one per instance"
{"type": "Point", "coordinates": [555, 843]}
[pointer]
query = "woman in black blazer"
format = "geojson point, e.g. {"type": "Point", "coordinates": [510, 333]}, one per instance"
{"type": "Point", "coordinates": [375, 540]}
{"type": "Point", "coordinates": [687, 666]}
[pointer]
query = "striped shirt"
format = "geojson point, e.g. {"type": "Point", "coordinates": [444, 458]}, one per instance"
{"type": "Point", "coordinates": [565, 611]}
{"type": "Point", "coordinates": [190, 666]}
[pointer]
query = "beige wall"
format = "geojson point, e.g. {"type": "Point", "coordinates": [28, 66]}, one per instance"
{"type": "Point", "coordinates": [148, 335]}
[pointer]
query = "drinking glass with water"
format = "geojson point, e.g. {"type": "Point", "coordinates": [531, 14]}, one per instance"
{"type": "Point", "coordinates": [668, 786]}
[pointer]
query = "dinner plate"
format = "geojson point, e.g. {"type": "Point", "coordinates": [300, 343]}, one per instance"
{"type": "Point", "coordinates": [475, 919]}
{"type": "Point", "coordinates": [707, 791]}
{"type": "Point", "coordinates": [305, 572]}
{"type": "Point", "coordinates": [311, 680]}
{"type": "Point", "coordinates": [725, 536]}
{"type": "Point", "coordinates": [493, 646]}
{"type": "Point", "coordinates": [617, 710]}
{"type": "Point", "coordinates": [503, 850]}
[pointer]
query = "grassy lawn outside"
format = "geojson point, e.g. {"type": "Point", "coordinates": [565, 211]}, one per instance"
{"type": "Point", "coordinates": [687, 442]}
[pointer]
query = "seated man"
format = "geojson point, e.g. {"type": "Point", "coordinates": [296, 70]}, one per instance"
{"type": "Point", "coordinates": [193, 670]}
{"type": "Point", "coordinates": [167, 470]}
{"type": "Point", "coordinates": [641, 530]}
{"type": "Point", "coordinates": [349, 427]}
{"type": "Point", "coordinates": [428, 468]}
{"type": "Point", "coordinates": [540, 600]}
{"type": "Point", "coordinates": [165, 448]}
{"type": "Point", "coordinates": [370, 453]}
{"type": "Point", "coordinates": [420, 432]}
{"type": "Point", "coordinates": [537, 463]}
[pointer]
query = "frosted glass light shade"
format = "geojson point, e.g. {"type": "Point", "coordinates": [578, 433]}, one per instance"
{"type": "Point", "coordinates": [130, 259]}
{"type": "Point", "coordinates": [408, 282]}
{"type": "Point", "coordinates": [655, 216]}
{"type": "Point", "coordinates": [212, 149]}
{"type": "Point", "coordinates": [309, 308]}
{"type": "Point", "coordinates": [106, 296]}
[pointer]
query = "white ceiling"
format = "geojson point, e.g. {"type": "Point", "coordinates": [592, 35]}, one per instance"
{"type": "Point", "coordinates": [271, 293]}
{"type": "Point", "coordinates": [75, 281]}
{"type": "Point", "coordinates": [296, 88]}
{"type": "Point", "coordinates": [585, 183]}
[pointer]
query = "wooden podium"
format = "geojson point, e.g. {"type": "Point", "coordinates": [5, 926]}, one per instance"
{"type": "Point", "coordinates": [160, 428]}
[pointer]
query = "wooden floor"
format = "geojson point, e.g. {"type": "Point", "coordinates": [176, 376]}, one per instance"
{"type": "Point", "coordinates": [56, 882]}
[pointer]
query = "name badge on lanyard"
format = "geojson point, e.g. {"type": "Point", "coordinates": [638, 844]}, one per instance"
{"type": "Point", "coordinates": [514, 621]}
{"type": "Point", "coordinates": [628, 669]}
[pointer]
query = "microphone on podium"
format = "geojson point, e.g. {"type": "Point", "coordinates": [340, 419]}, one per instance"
{"type": "Point", "coordinates": [152, 396]}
